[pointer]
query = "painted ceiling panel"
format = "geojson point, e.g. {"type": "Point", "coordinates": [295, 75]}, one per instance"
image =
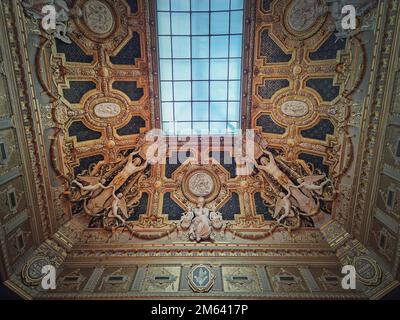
{"type": "Point", "coordinates": [73, 53]}
{"type": "Point", "coordinates": [271, 50]}
{"type": "Point", "coordinates": [129, 52]}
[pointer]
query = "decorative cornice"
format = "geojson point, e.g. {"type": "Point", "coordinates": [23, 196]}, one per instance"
{"type": "Point", "coordinates": [15, 221]}
{"type": "Point", "coordinates": [391, 172]}
{"type": "Point", "coordinates": [10, 175]}
{"type": "Point", "coordinates": [387, 220]}
{"type": "Point", "coordinates": [376, 117]}
{"type": "Point", "coordinates": [352, 252]}
{"type": "Point", "coordinates": [215, 295]}
{"type": "Point", "coordinates": [55, 252]}
{"type": "Point", "coordinates": [24, 110]}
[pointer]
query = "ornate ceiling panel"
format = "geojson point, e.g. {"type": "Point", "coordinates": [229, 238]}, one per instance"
{"type": "Point", "coordinates": [148, 227]}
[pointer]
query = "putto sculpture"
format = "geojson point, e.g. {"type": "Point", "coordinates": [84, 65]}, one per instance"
{"type": "Point", "coordinates": [104, 193]}
{"type": "Point", "coordinates": [296, 190]}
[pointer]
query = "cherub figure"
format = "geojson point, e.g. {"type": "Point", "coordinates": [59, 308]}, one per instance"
{"type": "Point", "coordinates": [216, 219]}
{"type": "Point", "coordinates": [186, 219]}
{"type": "Point", "coordinates": [283, 203]}
{"type": "Point", "coordinates": [94, 186]}
{"type": "Point", "coordinates": [269, 166]}
{"type": "Point", "coordinates": [132, 166]}
{"type": "Point", "coordinates": [100, 202]}
{"type": "Point", "coordinates": [308, 183]}
{"type": "Point", "coordinates": [118, 204]}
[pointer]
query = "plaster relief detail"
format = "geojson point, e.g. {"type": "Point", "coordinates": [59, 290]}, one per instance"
{"type": "Point", "coordinates": [107, 110]}
{"type": "Point", "coordinates": [294, 108]}
{"type": "Point", "coordinates": [98, 17]}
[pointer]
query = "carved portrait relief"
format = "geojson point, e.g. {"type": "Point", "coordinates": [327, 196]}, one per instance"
{"type": "Point", "coordinates": [98, 17]}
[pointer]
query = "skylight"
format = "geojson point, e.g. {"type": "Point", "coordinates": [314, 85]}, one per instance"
{"type": "Point", "coordinates": [200, 65]}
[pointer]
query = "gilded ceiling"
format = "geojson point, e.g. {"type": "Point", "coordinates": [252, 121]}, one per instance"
{"type": "Point", "coordinates": [117, 223]}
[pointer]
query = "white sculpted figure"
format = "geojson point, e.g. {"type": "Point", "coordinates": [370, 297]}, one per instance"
{"type": "Point", "coordinates": [201, 222]}
{"type": "Point", "coordinates": [295, 189]}
{"type": "Point", "coordinates": [186, 219]}
{"type": "Point", "coordinates": [309, 183]}
{"type": "Point", "coordinates": [200, 228]}
{"type": "Point", "coordinates": [90, 187]}
{"type": "Point", "coordinates": [268, 165]}
{"type": "Point", "coordinates": [118, 204]}
{"type": "Point", "coordinates": [94, 186]}
{"type": "Point", "coordinates": [283, 203]}
{"type": "Point", "coordinates": [107, 189]}
{"type": "Point", "coordinates": [132, 166]}
{"type": "Point", "coordinates": [101, 201]}
{"type": "Point", "coordinates": [216, 219]}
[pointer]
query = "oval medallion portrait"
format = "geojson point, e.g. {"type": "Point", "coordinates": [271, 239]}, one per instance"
{"type": "Point", "coordinates": [98, 17]}
{"type": "Point", "coordinates": [107, 110]}
{"type": "Point", "coordinates": [303, 14]}
{"type": "Point", "coordinates": [294, 108]}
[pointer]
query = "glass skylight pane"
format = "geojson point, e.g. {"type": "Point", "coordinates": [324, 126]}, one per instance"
{"type": "Point", "coordinates": [182, 69]}
{"type": "Point", "coordinates": [233, 110]}
{"type": "Point", "coordinates": [234, 91]}
{"type": "Point", "coordinates": [166, 91]}
{"type": "Point", "coordinates": [200, 69]}
{"type": "Point", "coordinates": [183, 128]}
{"type": "Point", "coordinates": [168, 111]}
{"type": "Point", "coordinates": [163, 5]}
{"type": "Point", "coordinates": [202, 5]}
{"type": "Point", "coordinates": [200, 23]}
{"type": "Point", "coordinates": [180, 5]}
{"type": "Point", "coordinates": [235, 47]}
{"type": "Point", "coordinates": [218, 127]}
{"type": "Point", "coordinates": [200, 111]}
{"type": "Point", "coordinates": [236, 21]}
{"type": "Point", "coordinates": [168, 128]}
{"type": "Point", "coordinates": [200, 65]}
{"type": "Point", "coordinates": [219, 69]}
{"type": "Point", "coordinates": [219, 5]}
{"type": "Point", "coordinates": [182, 91]}
{"type": "Point", "coordinates": [236, 4]}
{"type": "Point", "coordinates": [220, 23]}
{"type": "Point", "coordinates": [183, 111]}
{"type": "Point", "coordinates": [219, 46]}
{"type": "Point", "coordinates": [200, 128]}
{"type": "Point", "coordinates": [163, 20]}
{"type": "Point", "coordinates": [235, 69]}
{"type": "Point", "coordinates": [218, 111]}
{"type": "Point", "coordinates": [200, 91]}
{"type": "Point", "coordinates": [200, 47]}
{"type": "Point", "coordinates": [233, 127]}
{"type": "Point", "coordinates": [166, 69]}
{"type": "Point", "coordinates": [164, 43]}
{"type": "Point", "coordinates": [181, 47]}
{"type": "Point", "coordinates": [180, 23]}
{"type": "Point", "coordinates": [218, 90]}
